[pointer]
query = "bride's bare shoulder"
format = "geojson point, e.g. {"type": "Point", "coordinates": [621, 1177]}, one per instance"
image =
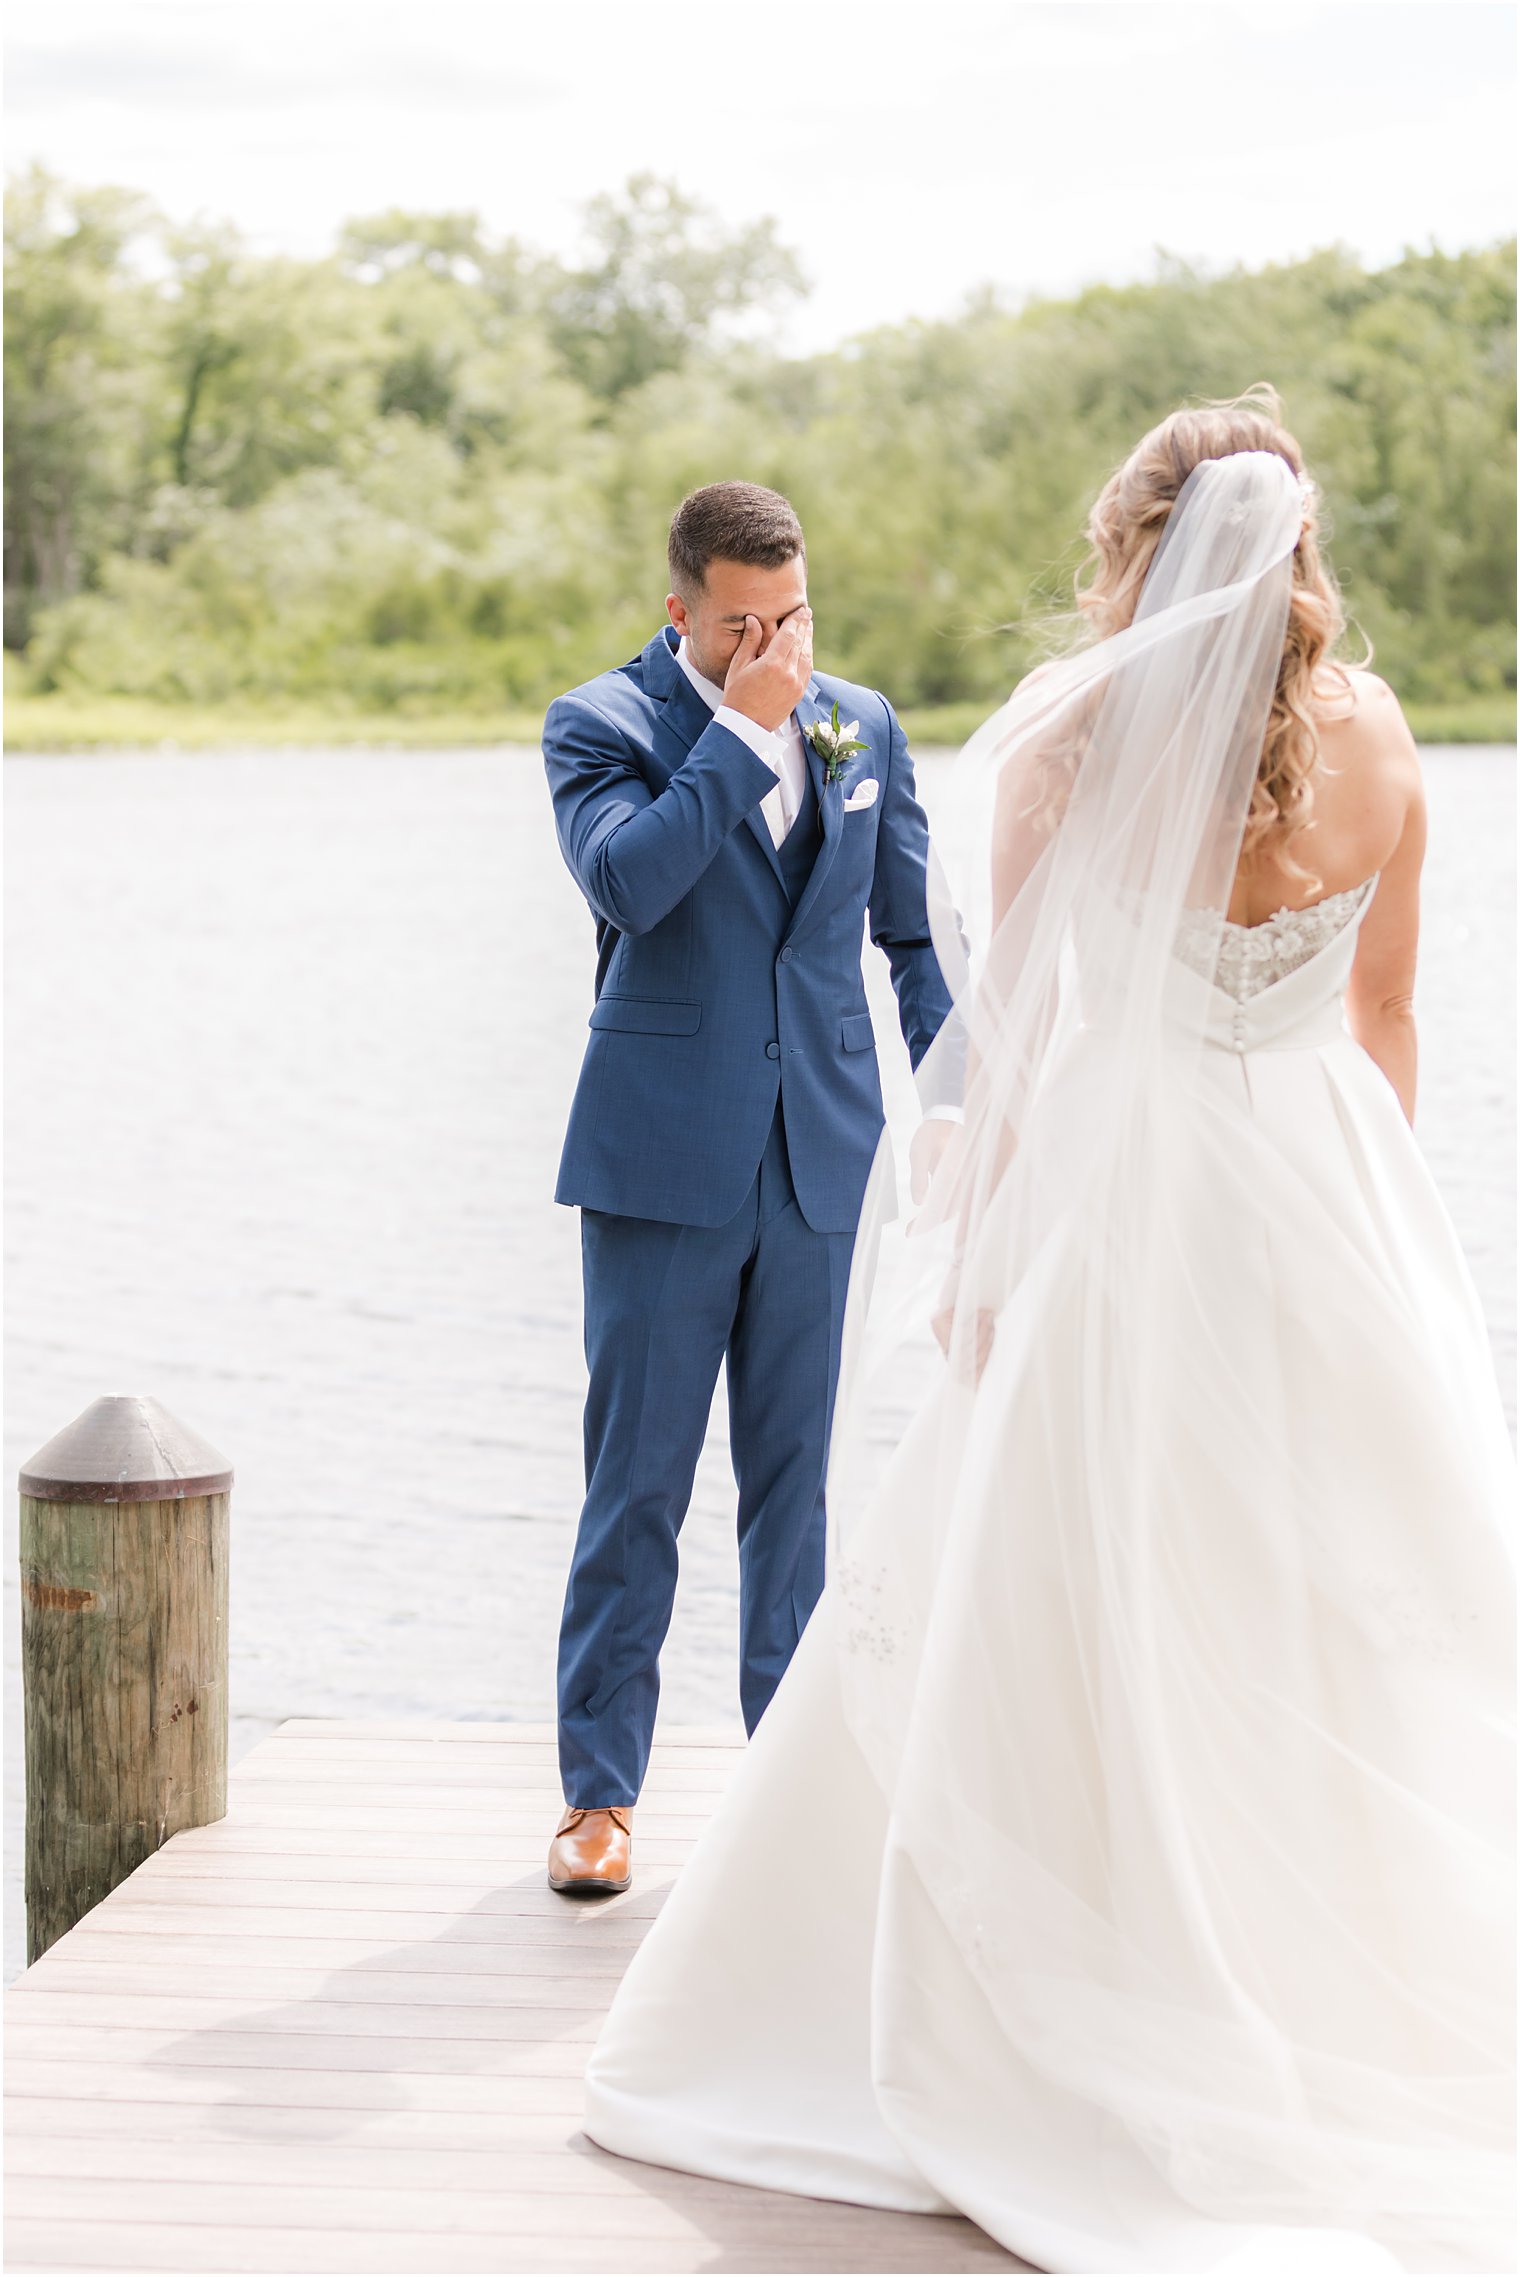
{"type": "Point", "coordinates": [1361, 721]}
{"type": "Point", "coordinates": [1037, 673]}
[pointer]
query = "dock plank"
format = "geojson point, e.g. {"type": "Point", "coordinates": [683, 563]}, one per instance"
{"type": "Point", "coordinates": [345, 2030]}
{"type": "Point", "coordinates": [328, 2253]}
{"type": "Point", "coordinates": [202, 1885]}
{"type": "Point", "coordinates": [183, 1948]}
{"type": "Point", "coordinates": [237, 1984]}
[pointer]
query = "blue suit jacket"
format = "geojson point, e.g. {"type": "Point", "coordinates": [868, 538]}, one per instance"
{"type": "Point", "coordinates": [712, 991]}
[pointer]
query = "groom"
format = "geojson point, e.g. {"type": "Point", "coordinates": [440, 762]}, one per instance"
{"type": "Point", "coordinates": [727, 1112]}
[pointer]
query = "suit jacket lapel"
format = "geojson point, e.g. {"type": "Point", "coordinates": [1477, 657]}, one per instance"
{"type": "Point", "coordinates": [683, 716]}
{"type": "Point", "coordinates": [830, 809]}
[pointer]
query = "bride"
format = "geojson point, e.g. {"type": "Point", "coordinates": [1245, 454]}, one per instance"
{"type": "Point", "coordinates": [1123, 1861]}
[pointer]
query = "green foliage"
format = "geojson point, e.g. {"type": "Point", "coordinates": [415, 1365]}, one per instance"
{"type": "Point", "coordinates": [432, 473]}
{"type": "Point", "coordinates": [81, 372]}
{"type": "Point", "coordinates": [661, 276]}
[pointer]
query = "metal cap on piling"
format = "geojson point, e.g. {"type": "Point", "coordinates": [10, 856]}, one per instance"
{"type": "Point", "coordinates": [125, 1450]}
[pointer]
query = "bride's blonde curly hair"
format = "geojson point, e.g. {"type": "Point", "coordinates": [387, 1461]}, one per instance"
{"type": "Point", "coordinates": [1123, 532]}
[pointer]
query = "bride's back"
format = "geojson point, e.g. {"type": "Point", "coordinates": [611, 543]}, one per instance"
{"type": "Point", "coordinates": [1367, 818]}
{"type": "Point", "coordinates": [1364, 785]}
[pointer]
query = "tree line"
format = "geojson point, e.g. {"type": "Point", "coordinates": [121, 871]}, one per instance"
{"type": "Point", "coordinates": [434, 469]}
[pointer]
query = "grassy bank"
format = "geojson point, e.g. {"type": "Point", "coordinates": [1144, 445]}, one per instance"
{"type": "Point", "coordinates": [1477, 719]}
{"type": "Point", "coordinates": [127, 723]}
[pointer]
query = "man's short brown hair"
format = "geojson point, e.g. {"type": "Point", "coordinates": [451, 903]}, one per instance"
{"type": "Point", "coordinates": [731, 521]}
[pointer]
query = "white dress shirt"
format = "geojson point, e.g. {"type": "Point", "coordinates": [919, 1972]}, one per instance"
{"type": "Point", "coordinates": [781, 749]}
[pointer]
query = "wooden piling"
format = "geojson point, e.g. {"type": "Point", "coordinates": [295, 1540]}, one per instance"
{"type": "Point", "coordinates": [124, 1529]}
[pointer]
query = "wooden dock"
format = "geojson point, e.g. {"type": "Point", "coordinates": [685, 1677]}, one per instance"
{"type": "Point", "coordinates": [343, 2029]}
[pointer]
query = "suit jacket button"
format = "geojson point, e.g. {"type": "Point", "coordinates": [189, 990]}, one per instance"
{"type": "Point", "coordinates": [786, 956]}
{"type": "Point", "coordinates": [773, 1051]}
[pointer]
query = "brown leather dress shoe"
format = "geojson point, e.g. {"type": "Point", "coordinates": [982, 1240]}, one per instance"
{"type": "Point", "coordinates": [592, 1853]}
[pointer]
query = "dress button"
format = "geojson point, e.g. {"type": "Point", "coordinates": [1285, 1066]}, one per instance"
{"type": "Point", "coordinates": [786, 956]}
{"type": "Point", "coordinates": [773, 1051]}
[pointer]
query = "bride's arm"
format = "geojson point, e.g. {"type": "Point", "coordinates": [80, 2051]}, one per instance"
{"type": "Point", "coordinates": [1380, 994]}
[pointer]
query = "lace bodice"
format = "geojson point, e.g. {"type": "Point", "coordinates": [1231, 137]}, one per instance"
{"type": "Point", "coordinates": [1243, 960]}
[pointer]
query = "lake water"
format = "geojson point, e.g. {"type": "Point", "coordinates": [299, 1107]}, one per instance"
{"type": "Point", "coordinates": [291, 1038]}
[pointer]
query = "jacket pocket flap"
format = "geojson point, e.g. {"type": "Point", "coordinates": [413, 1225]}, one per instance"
{"type": "Point", "coordinates": [646, 1016]}
{"type": "Point", "coordinates": [859, 1035]}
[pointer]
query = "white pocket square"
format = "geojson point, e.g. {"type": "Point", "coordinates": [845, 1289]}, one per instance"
{"type": "Point", "coordinates": [863, 795]}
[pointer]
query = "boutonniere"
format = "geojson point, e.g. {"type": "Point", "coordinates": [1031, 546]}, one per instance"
{"type": "Point", "coordinates": [835, 745]}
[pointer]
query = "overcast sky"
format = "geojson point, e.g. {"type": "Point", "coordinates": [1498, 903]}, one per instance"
{"type": "Point", "coordinates": [910, 153]}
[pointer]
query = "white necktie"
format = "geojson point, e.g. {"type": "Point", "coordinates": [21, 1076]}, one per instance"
{"type": "Point", "coordinates": [790, 789]}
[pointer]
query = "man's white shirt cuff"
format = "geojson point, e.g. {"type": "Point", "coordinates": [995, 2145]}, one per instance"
{"type": "Point", "coordinates": [760, 739]}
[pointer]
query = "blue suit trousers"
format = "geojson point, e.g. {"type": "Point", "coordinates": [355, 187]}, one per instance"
{"type": "Point", "coordinates": [666, 1306]}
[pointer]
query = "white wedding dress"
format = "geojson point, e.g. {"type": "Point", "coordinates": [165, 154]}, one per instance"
{"type": "Point", "coordinates": [1123, 1861]}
